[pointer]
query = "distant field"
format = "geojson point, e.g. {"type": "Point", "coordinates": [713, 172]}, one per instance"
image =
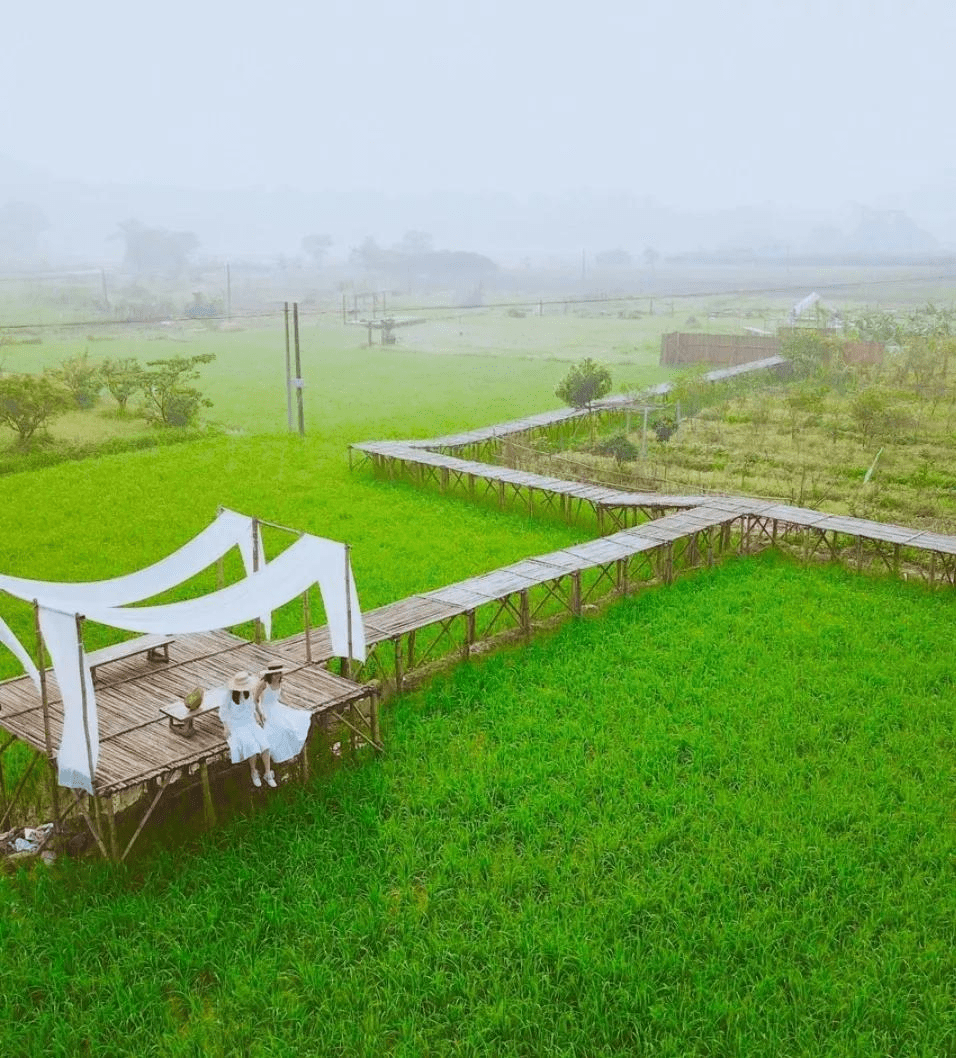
{"type": "Point", "coordinates": [507, 367]}
{"type": "Point", "coordinates": [718, 820]}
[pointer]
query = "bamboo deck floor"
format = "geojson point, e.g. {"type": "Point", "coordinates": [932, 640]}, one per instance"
{"type": "Point", "coordinates": [137, 742]}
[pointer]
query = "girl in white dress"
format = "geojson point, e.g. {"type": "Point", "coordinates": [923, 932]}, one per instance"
{"type": "Point", "coordinates": [286, 728]}
{"type": "Point", "coordinates": [245, 737]}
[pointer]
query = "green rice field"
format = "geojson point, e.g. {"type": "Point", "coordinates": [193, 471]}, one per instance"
{"type": "Point", "coordinates": [718, 820]}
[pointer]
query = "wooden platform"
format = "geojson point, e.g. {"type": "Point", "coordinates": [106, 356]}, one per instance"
{"type": "Point", "coordinates": [136, 741]}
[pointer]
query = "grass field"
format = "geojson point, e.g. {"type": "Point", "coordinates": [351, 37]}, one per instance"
{"type": "Point", "coordinates": [716, 821]}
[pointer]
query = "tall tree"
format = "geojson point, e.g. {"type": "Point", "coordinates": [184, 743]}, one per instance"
{"type": "Point", "coordinates": [156, 251]}
{"type": "Point", "coordinates": [317, 246]}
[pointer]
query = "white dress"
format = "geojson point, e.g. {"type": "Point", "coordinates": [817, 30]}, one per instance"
{"type": "Point", "coordinates": [244, 736]}
{"type": "Point", "coordinates": [286, 728]}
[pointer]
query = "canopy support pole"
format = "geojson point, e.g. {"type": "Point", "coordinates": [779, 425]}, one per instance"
{"type": "Point", "coordinates": [255, 569]}
{"type": "Point", "coordinates": [86, 719]}
{"type": "Point", "coordinates": [348, 608]}
{"type": "Point", "coordinates": [307, 620]}
{"type": "Point", "coordinates": [45, 705]}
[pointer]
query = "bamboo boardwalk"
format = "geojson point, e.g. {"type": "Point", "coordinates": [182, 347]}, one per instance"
{"type": "Point", "coordinates": [645, 536]}
{"type": "Point", "coordinates": [141, 752]}
{"type": "Point", "coordinates": [618, 402]}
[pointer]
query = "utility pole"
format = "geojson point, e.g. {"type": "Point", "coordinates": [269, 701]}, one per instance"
{"type": "Point", "coordinates": [298, 367]}
{"type": "Point", "coordinates": [288, 370]}
{"type": "Point", "coordinates": [228, 293]}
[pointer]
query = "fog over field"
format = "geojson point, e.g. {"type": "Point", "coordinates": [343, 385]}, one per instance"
{"type": "Point", "coordinates": [517, 130]}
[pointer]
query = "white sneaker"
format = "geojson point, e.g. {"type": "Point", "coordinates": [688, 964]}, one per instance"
{"type": "Point", "coordinates": [271, 779]}
{"type": "Point", "coordinates": [256, 779]}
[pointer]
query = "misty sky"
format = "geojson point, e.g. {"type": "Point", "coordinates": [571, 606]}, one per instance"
{"type": "Point", "coordinates": [701, 102]}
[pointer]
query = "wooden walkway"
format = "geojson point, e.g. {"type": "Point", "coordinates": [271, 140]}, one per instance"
{"type": "Point", "coordinates": [423, 466]}
{"type": "Point", "coordinates": [616, 403]}
{"type": "Point", "coordinates": [140, 752]}
{"type": "Point", "coordinates": [645, 536]}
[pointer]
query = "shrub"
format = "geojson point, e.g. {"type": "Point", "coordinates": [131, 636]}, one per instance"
{"type": "Point", "coordinates": [620, 448]}
{"type": "Point", "coordinates": [122, 378]}
{"type": "Point", "coordinates": [584, 383]}
{"type": "Point", "coordinates": [81, 377]}
{"type": "Point", "coordinates": [168, 400]}
{"type": "Point", "coordinates": [28, 403]}
{"type": "Point", "coordinates": [665, 428]}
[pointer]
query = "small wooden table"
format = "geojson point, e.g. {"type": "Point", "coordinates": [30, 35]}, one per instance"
{"type": "Point", "coordinates": [155, 647]}
{"type": "Point", "coordinates": [181, 717]}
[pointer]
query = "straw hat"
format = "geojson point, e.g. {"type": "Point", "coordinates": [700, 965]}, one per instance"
{"type": "Point", "coordinates": [241, 681]}
{"type": "Point", "coordinates": [276, 669]}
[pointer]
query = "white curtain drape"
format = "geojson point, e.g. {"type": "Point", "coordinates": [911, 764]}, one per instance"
{"type": "Point", "coordinates": [10, 641]}
{"type": "Point", "coordinates": [227, 531]}
{"type": "Point", "coordinates": [308, 561]}
{"type": "Point", "coordinates": [80, 741]}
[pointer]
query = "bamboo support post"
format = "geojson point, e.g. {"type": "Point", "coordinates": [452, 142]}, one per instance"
{"type": "Point", "coordinates": [19, 787]}
{"type": "Point", "coordinates": [209, 809]}
{"type": "Point", "coordinates": [469, 633]}
{"type": "Point", "coordinates": [89, 823]}
{"type": "Point", "coordinates": [373, 720]}
{"type": "Point", "coordinates": [142, 822]}
{"type": "Point", "coordinates": [304, 761]}
{"type": "Point", "coordinates": [307, 621]}
{"type": "Point", "coordinates": [399, 674]}
{"type": "Point", "coordinates": [411, 651]}
{"type": "Point", "coordinates": [111, 830]}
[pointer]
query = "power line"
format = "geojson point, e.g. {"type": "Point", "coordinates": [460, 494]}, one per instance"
{"type": "Point", "coordinates": [453, 311]}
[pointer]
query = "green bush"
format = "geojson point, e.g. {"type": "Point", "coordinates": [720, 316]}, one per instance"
{"type": "Point", "coordinates": [122, 378]}
{"type": "Point", "coordinates": [168, 400]}
{"type": "Point", "coordinates": [27, 404]}
{"type": "Point", "coordinates": [665, 428]}
{"type": "Point", "coordinates": [618, 446]}
{"type": "Point", "coordinates": [81, 377]}
{"type": "Point", "coordinates": [586, 382]}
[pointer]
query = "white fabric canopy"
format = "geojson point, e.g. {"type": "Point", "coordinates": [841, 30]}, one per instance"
{"type": "Point", "coordinates": [227, 531]}
{"type": "Point", "coordinates": [79, 743]}
{"type": "Point", "coordinates": [308, 561]}
{"type": "Point", "coordinates": [10, 641]}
